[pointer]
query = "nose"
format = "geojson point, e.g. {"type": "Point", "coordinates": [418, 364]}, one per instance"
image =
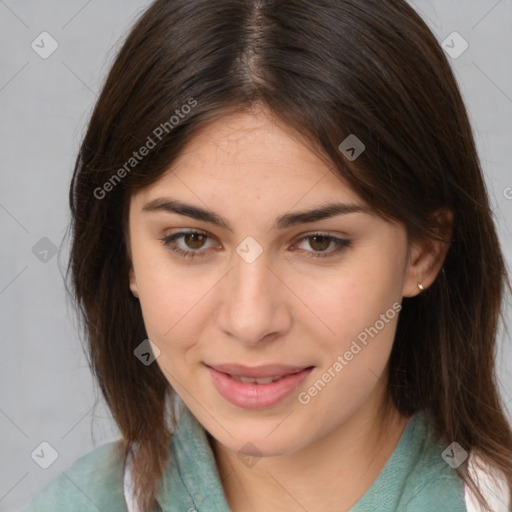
{"type": "Point", "coordinates": [254, 305]}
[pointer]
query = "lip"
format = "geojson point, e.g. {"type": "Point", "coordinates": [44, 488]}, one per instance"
{"type": "Point", "coordinates": [252, 395]}
{"type": "Point", "coordinates": [257, 372]}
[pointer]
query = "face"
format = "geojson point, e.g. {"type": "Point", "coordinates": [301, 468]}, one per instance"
{"type": "Point", "coordinates": [236, 282]}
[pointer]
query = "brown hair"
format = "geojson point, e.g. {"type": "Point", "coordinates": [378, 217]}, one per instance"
{"type": "Point", "coordinates": [329, 68]}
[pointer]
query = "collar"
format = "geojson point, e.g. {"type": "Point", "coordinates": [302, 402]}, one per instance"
{"type": "Point", "coordinates": [191, 481]}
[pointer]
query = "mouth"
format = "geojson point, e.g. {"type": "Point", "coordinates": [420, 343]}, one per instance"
{"type": "Point", "coordinates": [256, 387]}
{"type": "Point", "coordinates": [252, 380]}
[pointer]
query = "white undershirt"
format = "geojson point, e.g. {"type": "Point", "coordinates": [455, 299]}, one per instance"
{"type": "Point", "coordinates": [497, 494]}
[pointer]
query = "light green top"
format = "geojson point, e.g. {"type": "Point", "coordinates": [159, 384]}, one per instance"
{"type": "Point", "coordinates": [414, 479]}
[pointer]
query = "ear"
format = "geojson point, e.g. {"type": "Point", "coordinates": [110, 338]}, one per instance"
{"type": "Point", "coordinates": [133, 282]}
{"type": "Point", "coordinates": [427, 255]}
{"type": "Point", "coordinates": [131, 273]}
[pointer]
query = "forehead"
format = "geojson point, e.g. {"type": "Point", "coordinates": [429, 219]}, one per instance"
{"type": "Point", "coordinates": [256, 155]}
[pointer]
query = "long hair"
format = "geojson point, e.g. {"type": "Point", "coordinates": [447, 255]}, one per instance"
{"type": "Point", "coordinates": [328, 68]}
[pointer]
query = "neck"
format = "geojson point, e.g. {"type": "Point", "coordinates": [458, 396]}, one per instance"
{"type": "Point", "coordinates": [330, 474]}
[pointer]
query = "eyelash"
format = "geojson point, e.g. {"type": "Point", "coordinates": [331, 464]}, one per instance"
{"type": "Point", "coordinates": [340, 244]}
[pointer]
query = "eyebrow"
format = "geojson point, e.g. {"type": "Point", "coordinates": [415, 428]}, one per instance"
{"type": "Point", "coordinates": [284, 221]}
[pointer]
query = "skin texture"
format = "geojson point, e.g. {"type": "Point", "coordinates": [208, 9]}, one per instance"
{"type": "Point", "coordinates": [287, 307]}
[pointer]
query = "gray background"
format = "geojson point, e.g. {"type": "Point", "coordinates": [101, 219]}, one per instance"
{"type": "Point", "coordinates": [47, 393]}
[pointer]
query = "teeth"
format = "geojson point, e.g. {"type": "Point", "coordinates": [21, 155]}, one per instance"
{"type": "Point", "coordinates": [250, 380]}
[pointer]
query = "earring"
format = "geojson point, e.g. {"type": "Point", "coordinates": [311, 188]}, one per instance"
{"type": "Point", "coordinates": [421, 287]}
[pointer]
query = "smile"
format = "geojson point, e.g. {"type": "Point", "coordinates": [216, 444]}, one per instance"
{"type": "Point", "coordinates": [256, 387]}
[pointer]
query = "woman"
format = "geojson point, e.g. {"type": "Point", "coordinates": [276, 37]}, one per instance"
{"type": "Point", "coordinates": [287, 268]}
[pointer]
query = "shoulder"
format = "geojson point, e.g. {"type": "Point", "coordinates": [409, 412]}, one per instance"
{"type": "Point", "coordinates": [94, 482]}
{"type": "Point", "coordinates": [434, 478]}
{"type": "Point", "coordinates": [428, 482]}
{"type": "Point", "coordinates": [432, 482]}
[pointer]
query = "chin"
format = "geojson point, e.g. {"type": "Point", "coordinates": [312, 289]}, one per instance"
{"type": "Point", "coordinates": [260, 440]}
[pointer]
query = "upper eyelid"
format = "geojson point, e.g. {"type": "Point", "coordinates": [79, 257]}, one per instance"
{"type": "Point", "coordinates": [298, 238]}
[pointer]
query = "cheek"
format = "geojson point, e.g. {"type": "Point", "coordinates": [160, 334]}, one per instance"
{"type": "Point", "coordinates": [170, 312]}
{"type": "Point", "coordinates": [346, 303]}
{"type": "Point", "coordinates": [171, 300]}
{"type": "Point", "coordinates": [171, 309]}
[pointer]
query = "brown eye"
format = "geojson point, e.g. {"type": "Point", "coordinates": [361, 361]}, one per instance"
{"type": "Point", "coordinates": [320, 242]}
{"type": "Point", "coordinates": [194, 240]}
{"type": "Point", "coordinates": [192, 243]}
